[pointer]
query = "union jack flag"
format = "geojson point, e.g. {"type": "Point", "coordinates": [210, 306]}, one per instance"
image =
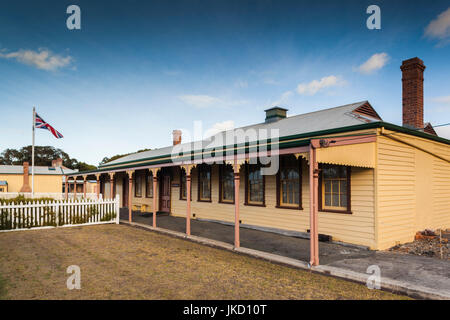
{"type": "Point", "coordinates": [41, 124]}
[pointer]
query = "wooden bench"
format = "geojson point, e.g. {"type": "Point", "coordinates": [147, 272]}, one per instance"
{"type": "Point", "coordinates": [141, 207]}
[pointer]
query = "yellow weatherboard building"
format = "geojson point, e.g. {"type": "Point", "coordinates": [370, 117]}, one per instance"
{"type": "Point", "coordinates": [47, 179]}
{"type": "Point", "coordinates": [343, 172]}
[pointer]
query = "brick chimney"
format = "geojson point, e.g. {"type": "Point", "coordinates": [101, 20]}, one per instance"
{"type": "Point", "coordinates": [412, 81]}
{"type": "Point", "coordinates": [57, 163]}
{"type": "Point", "coordinates": [176, 137]}
{"type": "Point", "coordinates": [26, 178]}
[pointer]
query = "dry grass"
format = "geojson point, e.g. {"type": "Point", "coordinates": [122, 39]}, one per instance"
{"type": "Point", "coordinates": [120, 262]}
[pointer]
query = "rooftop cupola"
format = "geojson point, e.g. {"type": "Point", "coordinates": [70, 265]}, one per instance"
{"type": "Point", "coordinates": [275, 114]}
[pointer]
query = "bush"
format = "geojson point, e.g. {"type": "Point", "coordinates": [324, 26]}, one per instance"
{"type": "Point", "coordinates": [21, 198]}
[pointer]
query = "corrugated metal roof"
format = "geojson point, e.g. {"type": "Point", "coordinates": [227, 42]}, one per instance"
{"type": "Point", "coordinates": [331, 118]}
{"type": "Point", "coordinates": [78, 180]}
{"type": "Point", "coordinates": [15, 169]}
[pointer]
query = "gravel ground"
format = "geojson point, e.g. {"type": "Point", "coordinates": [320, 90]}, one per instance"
{"type": "Point", "coordinates": [121, 262]}
{"type": "Point", "coordinates": [426, 247]}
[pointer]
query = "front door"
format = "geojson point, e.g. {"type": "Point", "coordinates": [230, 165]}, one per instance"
{"type": "Point", "coordinates": [165, 193]}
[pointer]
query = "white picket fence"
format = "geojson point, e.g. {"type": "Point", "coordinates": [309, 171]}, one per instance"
{"type": "Point", "coordinates": [58, 213]}
{"type": "Point", "coordinates": [53, 195]}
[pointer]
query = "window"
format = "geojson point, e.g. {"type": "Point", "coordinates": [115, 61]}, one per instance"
{"type": "Point", "coordinates": [226, 184]}
{"type": "Point", "coordinates": [138, 186]}
{"type": "Point", "coordinates": [183, 184]}
{"type": "Point", "coordinates": [183, 193]}
{"type": "Point", "coordinates": [204, 183]}
{"type": "Point", "coordinates": [254, 185]}
{"type": "Point", "coordinates": [149, 185]}
{"type": "Point", "coordinates": [335, 189]}
{"type": "Point", "coordinates": [289, 183]}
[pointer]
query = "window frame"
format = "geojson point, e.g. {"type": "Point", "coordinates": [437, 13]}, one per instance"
{"type": "Point", "coordinates": [148, 175]}
{"type": "Point", "coordinates": [201, 168]}
{"type": "Point", "coordinates": [279, 190]}
{"type": "Point", "coordinates": [321, 190]}
{"type": "Point", "coordinates": [137, 177]}
{"type": "Point", "coordinates": [222, 168]}
{"type": "Point", "coordinates": [181, 184]}
{"type": "Point", "coordinates": [247, 189]}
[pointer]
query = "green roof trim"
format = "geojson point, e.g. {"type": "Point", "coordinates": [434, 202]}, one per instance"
{"type": "Point", "coordinates": [283, 144]}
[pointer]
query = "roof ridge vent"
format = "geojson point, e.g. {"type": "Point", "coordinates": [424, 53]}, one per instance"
{"type": "Point", "coordinates": [275, 113]}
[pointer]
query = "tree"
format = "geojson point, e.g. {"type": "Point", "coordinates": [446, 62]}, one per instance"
{"type": "Point", "coordinates": [117, 156]}
{"type": "Point", "coordinates": [43, 156]}
{"type": "Point", "coordinates": [83, 166]}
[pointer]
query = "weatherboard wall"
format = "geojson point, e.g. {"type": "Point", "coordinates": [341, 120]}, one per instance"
{"type": "Point", "coordinates": [357, 228]}
{"type": "Point", "coordinates": [407, 191]}
{"type": "Point", "coordinates": [413, 188]}
{"type": "Point", "coordinates": [42, 183]}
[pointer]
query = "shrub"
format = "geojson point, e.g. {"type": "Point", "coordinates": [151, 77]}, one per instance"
{"type": "Point", "coordinates": [21, 198]}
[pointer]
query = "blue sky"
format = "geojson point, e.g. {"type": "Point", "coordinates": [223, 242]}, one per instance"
{"type": "Point", "coordinates": [137, 70]}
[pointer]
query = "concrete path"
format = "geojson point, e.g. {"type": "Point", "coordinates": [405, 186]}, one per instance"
{"type": "Point", "coordinates": [416, 276]}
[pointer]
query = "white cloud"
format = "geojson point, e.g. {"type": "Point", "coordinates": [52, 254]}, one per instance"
{"type": "Point", "coordinates": [271, 81]}
{"type": "Point", "coordinates": [200, 101]}
{"type": "Point", "coordinates": [205, 101]}
{"type": "Point", "coordinates": [282, 100]}
{"type": "Point", "coordinates": [439, 28]}
{"type": "Point", "coordinates": [241, 84]}
{"type": "Point", "coordinates": [315, 86]}
{"type": "Point", "coordinates": [375, 62]}
{"type": "Point", "coordinates": [442, 100]}
{"type": "Point", "coordinates": [42, 59]}
{"type": "Point", "coordinates": [219, 127]}
{"type": "Point", "coordinates": [443, 132]}
{"type": "Point", "coordinates": [442, 104]}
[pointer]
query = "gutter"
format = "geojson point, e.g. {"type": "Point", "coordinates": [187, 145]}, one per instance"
{"type": "Point", "coordinates": [389, 136]}
{"type": "Point", "coordinates": [284, 142]}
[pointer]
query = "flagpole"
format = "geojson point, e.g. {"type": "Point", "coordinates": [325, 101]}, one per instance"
{"type": "Point", "coordinates": [32, 154]}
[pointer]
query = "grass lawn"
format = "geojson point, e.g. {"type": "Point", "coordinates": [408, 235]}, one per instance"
{"type": "Point", "coordinates": [121, 262]}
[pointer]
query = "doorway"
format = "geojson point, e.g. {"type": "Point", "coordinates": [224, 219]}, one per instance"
{"type": "Point", "coordinates": [164, 191]}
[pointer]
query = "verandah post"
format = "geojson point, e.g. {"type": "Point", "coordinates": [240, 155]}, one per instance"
{"type": "Point", "coordinates": [154, 172]}
{"type": "Point", "coordinates": [313, 203]}
{"type": "Point", "coordinates": [111, 185]}
{"type": "Point", "coordinates": [117, 204]}
{"type": "Point", "coordinates": [66, 185]}
{"type": "Point", "coordinates": [130, 198]}
{"type": "Point", "coordinates": [316, 209]}
{"type": "Point", "coordinates": [188, 169]}
{"type": "Point", "coordinates": [236, 167]}
{"type": "Point", "coordinates": [75, 187]}
{"type": "Point", "coordinates": [84, 186]}
{"type": "Point", "coordinates": [98, 185]}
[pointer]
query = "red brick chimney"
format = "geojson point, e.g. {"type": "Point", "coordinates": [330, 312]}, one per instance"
{"type": "Point", "coordinates": [412, 81]}
{"type": "Point", "coordinates": [26, 178]}
{"type": "Point", "coordinates": [57, 163]}
{"type": "Point", "coordinates": [176, 137]}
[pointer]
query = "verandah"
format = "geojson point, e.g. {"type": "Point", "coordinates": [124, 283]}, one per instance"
{"type": "Point", "coordinates": [308, 152]}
